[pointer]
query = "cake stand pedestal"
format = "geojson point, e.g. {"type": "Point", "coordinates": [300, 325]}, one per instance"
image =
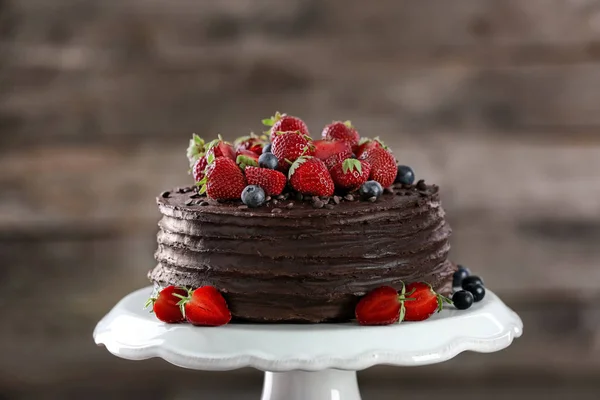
{"type": "Point", "coordinates": [307, 362]}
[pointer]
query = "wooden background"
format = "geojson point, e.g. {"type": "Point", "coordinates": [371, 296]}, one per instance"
{"type": "Point", "coordinates": [496, 101]}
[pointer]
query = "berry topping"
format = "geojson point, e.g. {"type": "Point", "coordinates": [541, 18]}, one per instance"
{"type": "Point", "coordinates": [199, 168]}
{"type": "Point", "coordinates": [342, 131]}
{"type": "Point", "coordinates": [462, 299]}
{"type": "Point", "coordinates": [370, 189]}
{"type": "Point", "coordinates": [284, 123]}
{"type": "Point", "coordinates": [422, 302]}
{"type": "Point", "coordinates": [472, 280]}
{"type": "Point", "coordinates": [309, 175]}
{"type": "Point", "coordinates": [268, 160]}
{"type": "Point", "coordinates": [245, 158]}
{"type": "Point", "coordinates": [366, 144]}
{"type": "Point", "coordinates": [350, 174]}
{"type": "Point", "coordinates": [332, 152]}
{"type": "Point", "coordinates": [196, 149]}
{"type": "Point", "coordinates": [252, 143]}
{"type": "Point", "coordinates": [379, 307]}
{"type": "Point", "coordinates": [219, 148]}
{"type": "Point", "coordinates": [459, 275]}
{"type": "Point", "coordinates": [270, 180]}
{"type": "Point", "coordinates": [253, 195]}
{"type": "Point", "coordinates": [204, 306]}
{"type": "Point", "coordinates": [267, 148]}
{"type": "Point", "coordinates": [405, 175]}
{"type": "Point", "coordinates": [478, 291]}
{"type": "Point", "coordinates": [288, 146]}
{"type": "Point", "coordinates": [165, 304]}
{"type": "Point", "coordinates": [383, 166]}
{"type": "Point", "coordinates": [224, 180]}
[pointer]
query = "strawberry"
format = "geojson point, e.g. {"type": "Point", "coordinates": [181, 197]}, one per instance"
{"type": "Point", "coordinates": [271, 181]}
{"type": "Point", "coordinates": [253, 142]}
{"type": "Point", "coordinates": [422, 301]}
{"type": "Point", "coordinates": [246, 158]}
{"type": "Point", "coordinates": [381, 306]}
{"type": "Point", "coordinates": [165, 306]}
{"type": "Point", "coordinates": [204, 306]}
{"type": "Point", "coordinates": [224, 180]}
{"type": "Point", "coordinates": [366, 144]}
{"type": "Point", "coordinates": [199, 168]}
{"type": "Point", "coordinates": [284, 123]}
{"type": "Point", "coordinates": [288, 146]}
{"type": "Point", "coordinates": [332, 152]}
{"type": "Point", "coordinates": [309, 175]}
{"type": "Point", "coordinates": [219, 148]}
{"type": "Point", "coordinates": [350, 174]}
{"type": "Point", "coordinates": [383, 165]}
{"type": "Point", "coordinates": [343, 131]}
{"type": "Point", "coordinates": [196, 149]}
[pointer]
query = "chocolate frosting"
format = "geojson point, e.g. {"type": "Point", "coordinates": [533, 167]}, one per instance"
{"type": "Point", "coordinates": [302, 264]}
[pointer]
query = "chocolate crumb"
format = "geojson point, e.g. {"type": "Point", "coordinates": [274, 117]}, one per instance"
{"type": "Point", "coordinates": [268, 198]}
{"type": "Point", "coordinates": [180, 190]}
{"type": "Point", "coordinates": [291, 205]}
{"type": "Point", "coordinates": [194, 196]}
{"type": "Point", "coordinates": [373, 199]}
{"type": "Point", "coordinates": [204, 203]}
{"type": "Point", "coordinates": [243, 207]}
{"type": "Point", "coordinates": [276, 210]}
{"type": "Point", "coordinates": [280, 197]}
{"type": "Point", "coordinates": [388, 190]}
{"type": "Point", "coordinates": [275, 202]}
{"type": "Point", "coordinates": [407, 186]}
{"type": "Point", "coordinates": [325, 199]}
{"type": "Point", "coordinates": [336, 199]}
{"type": "Point", "coordinates": [423, 193]}
{"type": "Point", "coordinates": [286, 196]}
{"type": "Point", "coordinates": [318, 204]}
{"type": "Point", "coordinates": [189, 202]}
{"type": "Point", "coordinates": [329, 206]}
{"type": "Point", "coordinates": [165, 195]}
{"type": "Point", "coordinates": [349, 197]}
{"type": "Point", "coordinates": [299, 196]}
{"type": "Point", "coordinates": [421, 185]}
{"type": "Point", "coordinates": [308, 198]}
{"type": "Point", "coordinates": [199, 202]}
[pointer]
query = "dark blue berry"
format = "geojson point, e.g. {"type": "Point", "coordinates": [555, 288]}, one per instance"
{"type": "Point", "coordinates": [465, 268]}
{"type": "Point", "coordinates": [370, 189]}
{"type": "Point", "coordinates": [463, 299]}
{"type": "Point", "coordinates": [267, 148]}
{"type": "Point", "coordinates": [268, 160]}
{"type": "Point", "coordinates": [405, 175]}
{"type": "Point", "coordinates": [478, 291]}
{"type": "Point", "coordinates": [253, 196]}
{"type": "Point", "coordinates": [458, 277]}
{"type": "Point", "coordinates": [472, 280]}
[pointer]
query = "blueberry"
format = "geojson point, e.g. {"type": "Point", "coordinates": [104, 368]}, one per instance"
{"type": "Point", "coordinates": [253, 196]}
{"type": "Point", "coordinates": [465, 268]}
{"type": "Point", "coordinates": [478, 291]}
{"type": "Point", "coordinates": [458, 277]}
{"type": "Point", "coordinates": [370, 189]}
{"type": "Point", "coordinates": [267, 148]}
{"type": "Point", "coordinates": [472, 280]}
{"type": "Point", "coordinates": [405, 175]}
{"type": "Point", "coordinates": [462, 299]}
{"type": "Point", "coordinates": [268, 160]}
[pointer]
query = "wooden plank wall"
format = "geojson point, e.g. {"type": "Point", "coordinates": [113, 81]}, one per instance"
{"type": "Point", "coordinates": [497, 101]}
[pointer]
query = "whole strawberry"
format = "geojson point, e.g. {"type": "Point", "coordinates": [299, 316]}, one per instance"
{"type": "Point", "coordinates": [288, 146]}
{"type": "Point", "coordinates": [205, 306]}
{"type": "Point", "coordinates": [350, 174]}
{"type": "Point", "coordinates": [253, 143]}
{"type": "Point", "coordinates": [342, 131]}
{"type": "Point", "coordinates": [309, 175]}
{"type": "Point", "coordinates": [367, 144]}
{"type": "Point", "coordinates": [284, 123]}
{"type": "Point", "coordinates": [219, 148]}
{"type": "Point", "coordinates": [224, 180]}
{"type": "Point", "coordinates": [199, 168]}
{"type": "Point", "coordinates": [383, 166]}
{"type": "Point", "coordinates": [196, 149]}
{"type": "Point", "coordinates": [332, 152]}
{"type": "Point", "coordinates": [165, 304]}
{"type": "Point", "coordinates": [271, 181]}
{"type": "Point", "coordinates": [422, 302]}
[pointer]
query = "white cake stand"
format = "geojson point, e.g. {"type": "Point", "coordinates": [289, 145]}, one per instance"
{"type": "Point", "coordinates": [308, 362]}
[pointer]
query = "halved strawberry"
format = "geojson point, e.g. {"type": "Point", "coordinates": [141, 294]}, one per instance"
{"type": "Point", "coordinates": [271, 181]}
{"type": "Point", "coordinates": [350, 174]}
{"type": "Point", "coordinates": [383, 165]}
{"type": "Point", "coordinates": [252, 142]}
{"type": "Point", "coordinates": [219, 148]}
{"type": "Point", "coordinates": [165, 304]}
{"type": "Point", "coordinates": [422, 301]}
{"type": "Point", "coordinates": [343, 131]}
{"type": "Point", "coordinates": [366, 144]}
{"type": "Point", "coordinates": [224, 180]}
{"type": "Point", "coordinates": [284, 123]}
{"type": "Point", "coordinates": [204, 306]}
{"type": "Point", "coordinates": [332, 152]}
{"type": "Point", "coordinates": [309, 175]}
{"type": "Point", "coordinates": [288, 146]}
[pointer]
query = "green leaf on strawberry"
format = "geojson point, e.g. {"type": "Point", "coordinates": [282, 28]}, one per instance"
{"type": "Point", "coordinates": [351, 164]}
{"type": "Point", "coordinates": [299, 161]}
{"type": "Point", "coordinates": [196, 149]}
{"type": "Point", "coordinates": [245, 161]}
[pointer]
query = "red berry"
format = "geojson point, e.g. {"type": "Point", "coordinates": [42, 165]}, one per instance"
{"type": "Point", "coordinates": [379, 307]}
{"type": "Point", "coordinates": [199, 168]}
{"type": "Point", "coordinates": [350, 174]}
{"type": "Point", "coordinates": [343, 131]}
{"type": "Point", "coordinates": [332, 152]}
{"type": "Point", "coordinates": [366, 144]}
{"type": "Point", "coordinates": [383, 166]}
{"type": "Point", "coordinates": [309, 175]}
{"type": "Point", "coordinates": [219, 148]}
{"type": "Point", "coordinates": [271, 181]}
{"type": "Point", "coordinates": [252, 143]}
{"type": "Point", "coordinates": [422, 302]}
{"type": "Point", "coordinates": [289, 146]}
{"type": "Point", "coordinates": [224, 180]}
{"type": "Point", "coordinates": [165, 304]}
{"type": "Point", "coordinates": [205, 306]}
{"type": "Point", "coordinates": [284, 123]}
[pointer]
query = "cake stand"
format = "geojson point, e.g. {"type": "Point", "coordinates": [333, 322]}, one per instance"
{"type": "Point", "coordinates": [308, 362]}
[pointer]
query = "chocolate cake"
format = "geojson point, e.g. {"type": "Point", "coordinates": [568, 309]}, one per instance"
{"type": "Point", "coordinates": [303, 258]}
